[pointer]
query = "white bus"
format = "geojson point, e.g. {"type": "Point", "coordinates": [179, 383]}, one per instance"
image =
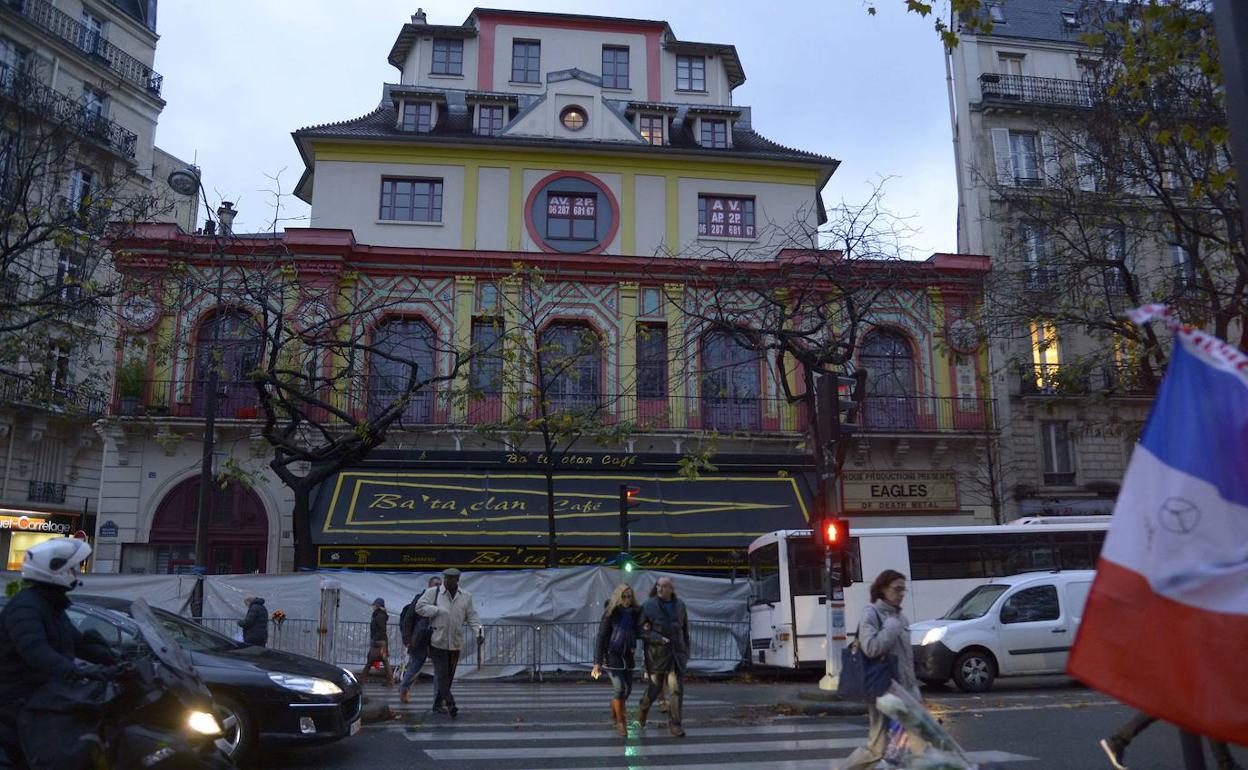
{"type": "Point", "coordinates": [788, 620]}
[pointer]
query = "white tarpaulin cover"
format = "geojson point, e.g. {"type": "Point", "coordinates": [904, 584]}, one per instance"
{"type": "Point", "coordinates": [541, 619]}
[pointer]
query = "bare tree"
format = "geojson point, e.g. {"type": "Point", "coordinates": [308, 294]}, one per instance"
{"type": "Point", "coordinates": [537, 382]}
{"type": "Point", "coordinates": [803, 311]}
{"type": "Point", "coordinates": [332, 366]}
{"type": "Point", "coordinates": [65, 175]}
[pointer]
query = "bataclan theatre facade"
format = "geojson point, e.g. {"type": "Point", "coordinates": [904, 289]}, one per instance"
{"type": "Point", "coordinates": [427, 511]}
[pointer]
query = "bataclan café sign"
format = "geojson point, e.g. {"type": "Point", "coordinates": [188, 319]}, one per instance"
{"type": "Point", "coordinates": [899, 491]}
{"type": "Point", "coordinates": [428, 510]}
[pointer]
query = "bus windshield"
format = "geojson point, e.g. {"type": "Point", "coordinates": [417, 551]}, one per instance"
{"type": "Point", "coordinates": [976, 603]}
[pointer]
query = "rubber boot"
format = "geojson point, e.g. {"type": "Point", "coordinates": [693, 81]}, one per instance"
{"type": "Point", "coordinates": [617, 714]}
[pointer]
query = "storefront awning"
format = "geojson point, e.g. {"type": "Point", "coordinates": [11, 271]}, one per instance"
{"type": "Point", "coordinates": [430, 514]}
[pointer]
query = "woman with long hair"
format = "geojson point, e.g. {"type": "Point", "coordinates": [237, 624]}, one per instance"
{"type": "Point", "coordinates": [616, 649]}
{"type": "Point", "coordinates": [884, 631]}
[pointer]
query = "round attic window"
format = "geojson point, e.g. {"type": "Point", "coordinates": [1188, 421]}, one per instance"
{"type": "Point", "coordinates": [573, 118]}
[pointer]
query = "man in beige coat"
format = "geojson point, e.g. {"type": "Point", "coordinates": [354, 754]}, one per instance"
{"type": "Point", "coordinates": [448, 608]}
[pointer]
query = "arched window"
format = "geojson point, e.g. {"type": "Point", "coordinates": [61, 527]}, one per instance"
{"type": "Point", "coordinates": [889, 361]}
{"type": "Point", "coordinates": [397, 344]}
{"type": "Point", "coordinates": [731, 383]}
{"type": "Point", "coordinates": [570, 355]}
{"type": "Point", "coordinates": [231, 342]}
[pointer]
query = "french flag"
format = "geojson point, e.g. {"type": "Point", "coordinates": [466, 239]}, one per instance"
{"type": "Point", "coordinates": [1166, 625]}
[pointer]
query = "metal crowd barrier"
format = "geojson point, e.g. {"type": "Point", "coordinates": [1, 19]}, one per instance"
{"type": "Point", "coordinates": [534, 649]}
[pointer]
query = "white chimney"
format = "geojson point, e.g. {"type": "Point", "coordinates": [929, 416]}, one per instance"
{"type": "Point", "coordinates": [419, 17]}
{"type": "Point", "coordinates": [225, 214]}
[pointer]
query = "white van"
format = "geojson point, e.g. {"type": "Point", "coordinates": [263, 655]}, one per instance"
{"type": "Point", "coordinates": [1010, 626]}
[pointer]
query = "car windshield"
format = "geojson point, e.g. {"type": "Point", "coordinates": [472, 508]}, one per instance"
{"type": "Point", "coordinates": [192, 636]}
{"type": "Point", "coordinates": [976, 603]}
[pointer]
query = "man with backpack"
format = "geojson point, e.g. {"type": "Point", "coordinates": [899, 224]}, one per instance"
{"type": "Point", "coordinates": [416, 631]}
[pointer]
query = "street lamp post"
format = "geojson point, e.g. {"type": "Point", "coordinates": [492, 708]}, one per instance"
{"type": "Point", "coordinates": [187, 182]}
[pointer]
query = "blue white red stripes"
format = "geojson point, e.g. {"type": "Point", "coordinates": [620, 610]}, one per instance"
{"type": "Point", "coordinates": [1166, 628]}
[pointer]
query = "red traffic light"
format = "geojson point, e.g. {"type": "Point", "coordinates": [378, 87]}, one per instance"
{"type": "Point", "coordinates": [832, 533]}
{"type": "Point", "coordinates": [629, 496]}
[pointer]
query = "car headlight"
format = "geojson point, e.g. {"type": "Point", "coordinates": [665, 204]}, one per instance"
{"type": "Point", "coordinates": [934, 635]}
{"type": "Point", "coordinates": [306, 684]}
{"type": "Point", "coordinates": [203, 723]}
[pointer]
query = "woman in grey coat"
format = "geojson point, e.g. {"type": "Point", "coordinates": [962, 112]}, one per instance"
{"type": "Point", "coordinates": [884, 630]}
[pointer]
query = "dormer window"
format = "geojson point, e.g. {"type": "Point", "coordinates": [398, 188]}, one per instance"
{"type": "Point", "coordinates": [714, 134]}
{"type": "Point", "coordinates": [490, 119]}
{"type": "Point", "coordinates": [690, 73]}
{"type": "Point", "coordinates": [996, 13]}
{"type": "Point", "coordinates": [615, 66]}
{"type": "Point", "coordinates": [526, 61]}
{"type": "Point", "coordinates": [1070, 20]}
{"type": "Point", "coordinates": [448, 56]}
{"type": "Point", "coordinates": [417, 116]}
{"type": "Point", "coordinates": [653, 128]}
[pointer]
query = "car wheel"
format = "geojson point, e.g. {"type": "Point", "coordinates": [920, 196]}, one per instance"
{"type": "Point", "coordinates": [237, 728]}
{"type": "Point", "coordinates": [974, 671]}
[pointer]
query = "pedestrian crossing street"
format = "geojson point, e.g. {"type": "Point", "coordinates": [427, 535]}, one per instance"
{"type": "Point", "coordinates": [566, 726]}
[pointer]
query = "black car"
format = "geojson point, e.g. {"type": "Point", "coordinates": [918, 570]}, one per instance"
{"type": "Point", "coordinates": [266, 697]}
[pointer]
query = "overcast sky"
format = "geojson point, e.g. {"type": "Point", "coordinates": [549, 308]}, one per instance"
{"type": "Point", "coordinates": [822, 75]}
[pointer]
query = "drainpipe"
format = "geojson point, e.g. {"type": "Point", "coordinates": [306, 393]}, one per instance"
{"type": "Point", "coordinates": [8, 462]}
{"type": "Point", "coordinates": [957, 154]}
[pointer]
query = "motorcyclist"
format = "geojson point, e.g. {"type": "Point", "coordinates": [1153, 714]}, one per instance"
{"type": "Point", "coordinates": [38, 643]}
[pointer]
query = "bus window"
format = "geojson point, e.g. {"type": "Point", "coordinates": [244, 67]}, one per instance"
{"type": "Point", "coordinates": [945, 557]}
{"type": "Point", "coordinates": [1079, 550]}
{"type": "Point", "coordinates": [805, 567]}
{"type": "Point", "coordinates": [765, 574]}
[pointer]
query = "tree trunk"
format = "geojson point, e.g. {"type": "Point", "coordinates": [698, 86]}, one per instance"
{"type": "Point", "coordinates": [301, 524]}
{"type": "Point", "coordinates": [552, 544]}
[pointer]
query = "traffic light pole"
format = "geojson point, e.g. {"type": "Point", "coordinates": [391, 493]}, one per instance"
{"type": "Point", "coordinates": [834, 599]}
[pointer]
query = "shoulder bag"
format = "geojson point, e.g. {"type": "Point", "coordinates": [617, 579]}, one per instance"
{"type": "Point", "coordinates": [864, 678]}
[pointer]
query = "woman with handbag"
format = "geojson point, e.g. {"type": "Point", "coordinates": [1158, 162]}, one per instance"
{"type": "Point", "coordinates": [884, 632]}
{"type": "Point", "coordinates": [616, 648]}
{"type": "Point", "coordinates": [379, 645]}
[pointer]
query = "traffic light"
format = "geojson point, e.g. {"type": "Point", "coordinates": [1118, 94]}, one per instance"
{"type": "Point", "coordinates": [831, 532]}
{"type": "Point", "coordinates": [840, 398]}
{"type": "Point", "coordinates": [629, 498]}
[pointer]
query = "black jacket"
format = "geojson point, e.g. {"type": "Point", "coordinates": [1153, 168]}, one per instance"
{"type": "Point", "coordinates": [675, 654]}
{"type": "Point", "coordinates": [377, 626]}
{"type": "Point", "coordinates": [256, 624]}
{"type": "Point", "coordinates": [606, 628]}
{"type": "Point", "coordinates": [38, 643]}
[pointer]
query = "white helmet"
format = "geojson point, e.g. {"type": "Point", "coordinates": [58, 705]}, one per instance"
{"type": "Point", "coordinates": [56, 561]}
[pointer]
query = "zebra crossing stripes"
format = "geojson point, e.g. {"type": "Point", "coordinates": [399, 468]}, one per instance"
{"type": "Point", "coordinates": [815, 744]}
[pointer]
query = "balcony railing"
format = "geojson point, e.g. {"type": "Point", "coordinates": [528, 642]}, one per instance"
{"type": "Point", "coordinates": [927, 414]}
{"type": "Point", "coordinates": [46, 492]}
{"type": "Point", "coordinates": [1071, 380]}
{"type": "Point", "coordinates": [1025, 89]}
{"type": "Point", "coordinates": [40, 393]}
{"type": "Point", "coordinates": [44, 15]}
{"type": "Point", "coordinates": [24, 90]}
{"type": "Point", "coordinates": [881, 414]}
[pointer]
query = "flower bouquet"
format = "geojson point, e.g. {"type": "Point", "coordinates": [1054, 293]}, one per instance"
{"type": "Point", "coordinates": [940, 751]}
